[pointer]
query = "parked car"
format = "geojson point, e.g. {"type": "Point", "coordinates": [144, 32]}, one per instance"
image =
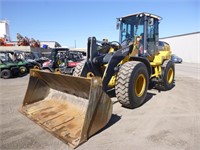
{"type": "Point", "coordinates": [176, 59]}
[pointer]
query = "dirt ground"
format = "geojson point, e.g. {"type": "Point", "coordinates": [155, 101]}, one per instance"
{"type": "Point", "coordinates": [168, 120]}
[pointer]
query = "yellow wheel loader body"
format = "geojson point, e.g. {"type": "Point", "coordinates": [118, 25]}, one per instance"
{"type": "Point", "coordinates": [73, 108]}
{"type": "Point", "coordinates": [70, 108]}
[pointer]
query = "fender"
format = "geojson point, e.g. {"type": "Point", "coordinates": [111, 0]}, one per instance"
{"type": "Point", "coordinates": [117, 56]}
{"type": "Point", "coordinates": [145, 61]}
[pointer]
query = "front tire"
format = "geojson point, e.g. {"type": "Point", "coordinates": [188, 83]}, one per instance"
{"type": "Point", "coordinates": [132, 84]}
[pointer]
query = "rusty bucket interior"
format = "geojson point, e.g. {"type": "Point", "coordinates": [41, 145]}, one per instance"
{"type": "Point", "coordinates": [70, 108]}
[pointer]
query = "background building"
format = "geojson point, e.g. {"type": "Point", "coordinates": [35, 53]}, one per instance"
{"type": "Point", "coordinates": [186, 46]}
{"type": "Point", "coordinates": [4, 30]}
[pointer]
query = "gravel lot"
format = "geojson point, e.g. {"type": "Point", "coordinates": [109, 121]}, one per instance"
{"type": "Point", "coordinates": [168, 120]}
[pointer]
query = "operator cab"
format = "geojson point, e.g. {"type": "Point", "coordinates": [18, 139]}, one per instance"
{"type": "Point", "coordinates": [142, 27]}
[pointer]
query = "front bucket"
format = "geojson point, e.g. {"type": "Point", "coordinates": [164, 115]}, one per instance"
{"type": "Point", "coordinates": [71, 108]}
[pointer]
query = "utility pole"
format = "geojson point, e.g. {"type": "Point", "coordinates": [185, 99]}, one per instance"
{"type": "Point", "coordinates": [75, 43]}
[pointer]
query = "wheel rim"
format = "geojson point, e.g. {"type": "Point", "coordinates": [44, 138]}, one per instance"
{"type": "Point", "coordinates": [170, 75]}
{"type": "Point", "coordinates": [5, 74]}
{"type": "Point", "coordinates": [140, 85]}
{"type": "Point", "coordinates": [23, 70]}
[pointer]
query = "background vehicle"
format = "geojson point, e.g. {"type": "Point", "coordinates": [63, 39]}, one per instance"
{"type": "Point", "coordinates": [63, 61]}
{"type": "Point", "coordinates": [176, 59]}
{"type": "Point", "coordinates": [34, 58]}
{"type": "Point", "coordinates": [73, 108]}
{"type": "Point", "coordinates": [4, 43]}
{"type": "Point", "coordinates": [18, 58]}
{"type": "Point", "coordinates": [8, 68]}
{"type": "Point", "coordinates": [56, 57]}
{"type": "Point", "coordinates": [70, 62]}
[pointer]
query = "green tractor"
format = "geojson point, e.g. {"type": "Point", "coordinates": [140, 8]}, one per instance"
{"type": "Point", "coordinates": [8, 68]}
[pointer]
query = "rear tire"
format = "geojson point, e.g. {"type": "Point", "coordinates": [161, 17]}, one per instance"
{"type": "Point", "coordinates": [132, 84]}
{"type": "Point", "coordinates": [6, 73]}
{"type": "Point", "coordinates": [168, 75]}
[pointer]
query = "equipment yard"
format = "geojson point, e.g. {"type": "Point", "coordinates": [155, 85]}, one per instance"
{"type": "Point", "coordinates": [167, 120]}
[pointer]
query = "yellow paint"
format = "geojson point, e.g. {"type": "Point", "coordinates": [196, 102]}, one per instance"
{"type": "Point", "coordinates": [170, 76]}
{"type": "Point", "coordinates": [112, 81]}
{"type": "Point", "coordinates": [111, 50]}
{"type": "Point", "coordinates": [135, 49]}
{"type": "Point", "coordinates": [140, 85]}
{"type": "Point", "coordinates": [90, 75]}
{"type": "Point", "coordinates": [155, 61]}
{"type": "Point", "coordinates": [157, 71]}
{"type": "Point", "coordinates": [158, 58]}
{"type": "Point", "coordinates": [134, 52]}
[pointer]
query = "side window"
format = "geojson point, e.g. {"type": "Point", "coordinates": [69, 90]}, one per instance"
{"type": "Point", "coordinates": [123, 32]}
{"type": "Point", "coordinates": [126, 32]}
{"type": "Point", "coordinates": [152, 36]}
{"type": "Point", "coordinates": [150, 32]}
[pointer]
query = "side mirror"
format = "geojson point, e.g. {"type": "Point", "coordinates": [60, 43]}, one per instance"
{"type": "Point", "coordinates": [117, 25]}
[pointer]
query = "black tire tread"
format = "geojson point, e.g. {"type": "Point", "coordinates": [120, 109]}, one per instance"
{"type": "Point", "coordinates": [122, 83]}
{"type": "Point", "coordinates": [161, 86]}
{"type": "Point", "coordinates": [78, 69]}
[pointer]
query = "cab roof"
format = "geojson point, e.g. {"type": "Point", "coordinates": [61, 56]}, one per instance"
{"type": "Point", "coordinates": [142, 13]}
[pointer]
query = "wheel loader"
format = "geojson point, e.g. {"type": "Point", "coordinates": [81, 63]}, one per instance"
{"type": "Point", "coordinates": [73, 108]}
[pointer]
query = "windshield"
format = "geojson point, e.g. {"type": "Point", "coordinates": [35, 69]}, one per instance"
{"type": "Point", "coordinates": [36, 55]}
{"type": "Point", "coordinates": [28, 55]}
{"type": "Point", "coordinates": [4, 57]}
{"type": "Point", "coordinates": [130, 27]}
{"type": "Point", "coordinates": [19, 56]}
